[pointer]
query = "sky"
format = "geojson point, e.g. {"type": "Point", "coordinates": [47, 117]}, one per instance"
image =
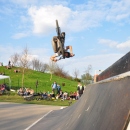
{"type": "Point", "coordinates": [98, 31]}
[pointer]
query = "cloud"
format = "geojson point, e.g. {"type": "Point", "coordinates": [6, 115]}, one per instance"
{"type": "Point", "coordinates": [42, 54]}
{"type": "Point", "coordinates": [43, 18]}
{"type": "Point", "coordinates": [5, 53]}
{"type": "Point", "coordinates": [98, 62]}
{"type": "Point", "coordinates": [124, 46]}
{"type": "Point", "coordinates": [40, 16]}
{"type": "Point", "coordinates": [108, 42]}
{"type": "Point", "coordinates": [118, 11]}
{"type": "Point", "coordinates": [20, 35]}
{"type": "Point", "coordinates": [7, 50]}
{"type": "Point", "coordinates": [78, 18]}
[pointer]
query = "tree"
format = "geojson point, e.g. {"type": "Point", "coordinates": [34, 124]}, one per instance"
{"type": "Point", "coordinates": [51, 67]}
{"type": "Point", "coordinates": [76, 73]}
{"type": "Point", "coordinates": [34, 63]}
{"type": "Point", "coordinates": [38, 65]}
{"type": "Point", "coordinates": [44, 68]}
{"type": "Point", "coordinates": [24, 62]}
{"type": "Point", "coordinates": [59, 71]}
{"type": "Point", "coordinates": [87, 77]}
{"type": "Point", "coordinates": [14, 59]}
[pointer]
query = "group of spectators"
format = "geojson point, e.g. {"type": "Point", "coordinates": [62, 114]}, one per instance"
{"type": "Point", "coordinates": [25, 91]}
{"type": "Point", "coordinates": [56, 93]}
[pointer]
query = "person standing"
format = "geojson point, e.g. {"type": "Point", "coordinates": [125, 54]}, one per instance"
{"type": "Point", "coordinates": [9, 64]}
{"type": "Point", "coordinates": [54, 87]}
{"type": "Point", "coordinates": [80, 89]}
{"type": "Point", "coordinates": [58, 89]}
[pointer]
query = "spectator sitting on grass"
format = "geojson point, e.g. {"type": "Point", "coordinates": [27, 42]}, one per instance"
{"type": "Point", "coordinates": [44, 95]}
{"type": "Point", "coordinates": [20, 91]}
{"type": "Point", "coordinates": [57, 96]}
{"type": "Point", "coordinates": [61, 94]}
{"type": "Point", "coordinates": [31, 91]}
{"type": "Point", "coordinates": [2, 88]}
{"type": "Point", "coordinates": [65, 95]}
{"type": "Point", "coordinates": [52, 94]}
{"type": "Point", "coordinates": [27, 91]}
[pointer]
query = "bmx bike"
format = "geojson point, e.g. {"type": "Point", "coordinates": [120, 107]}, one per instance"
{"type": "Point", "coordinates": [61, 39]}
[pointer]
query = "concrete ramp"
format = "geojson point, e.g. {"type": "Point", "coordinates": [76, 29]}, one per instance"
{"type": "Point", "coordinates": [103, 106]}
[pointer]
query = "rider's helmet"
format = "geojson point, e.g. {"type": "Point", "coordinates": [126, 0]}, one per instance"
{"type": "Point", "coordinates": [67, 54]}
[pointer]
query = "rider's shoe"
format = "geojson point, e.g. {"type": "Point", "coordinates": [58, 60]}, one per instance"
{"type": "Point", "coordinates": [72, 54]}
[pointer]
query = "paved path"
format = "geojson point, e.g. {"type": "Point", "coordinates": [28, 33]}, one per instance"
{"type": "Point", "coordinates": [14, 116]}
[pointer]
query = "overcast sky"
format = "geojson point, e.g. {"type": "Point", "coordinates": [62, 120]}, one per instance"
{"type": "Point", "coordinates": [98, 30]}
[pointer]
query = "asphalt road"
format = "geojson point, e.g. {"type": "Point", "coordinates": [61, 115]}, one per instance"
{"type": "Point", "coordinates": [14, 116]}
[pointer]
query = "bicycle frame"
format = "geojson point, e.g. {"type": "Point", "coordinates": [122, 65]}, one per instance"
{"type": "Point", "coordinates": [61, 40]}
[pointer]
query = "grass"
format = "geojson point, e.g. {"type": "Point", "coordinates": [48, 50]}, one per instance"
{"type": "Point", "coordinates": [13, 97]}
{"type": "Point", "coordinates": [30, 79]}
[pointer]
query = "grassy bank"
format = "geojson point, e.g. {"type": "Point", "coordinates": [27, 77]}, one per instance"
{"type": "Point", "coordinates": [30, 79]}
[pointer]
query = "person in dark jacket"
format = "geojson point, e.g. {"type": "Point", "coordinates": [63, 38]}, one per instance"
{"type": "Point", "coordinates": [80, 89]}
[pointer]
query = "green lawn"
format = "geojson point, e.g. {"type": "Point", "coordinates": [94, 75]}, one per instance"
{"type": "Point", "coordinates": [30, 78]}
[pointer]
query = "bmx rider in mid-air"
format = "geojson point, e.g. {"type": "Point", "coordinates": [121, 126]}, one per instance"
{"type": "Point", "coordinates": [60, 51]}
{"type": "Point", "coordinates": [58, 55]}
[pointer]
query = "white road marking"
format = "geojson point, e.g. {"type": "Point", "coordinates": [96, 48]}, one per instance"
{"type": "Point", "coordinates": [38, 120]}
{"type": "Point", "coordinates": [88, 108]}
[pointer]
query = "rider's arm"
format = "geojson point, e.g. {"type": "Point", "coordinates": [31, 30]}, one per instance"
{"type": "Point", "coordinates": [69, 48]}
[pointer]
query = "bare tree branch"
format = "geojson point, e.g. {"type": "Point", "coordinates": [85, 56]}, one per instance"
{"type": "Point", "coordinates": [14, 59]}
{"type": "Point", "coordinates": [76, 73]}
{"type": "Point", "coordinates": [51, 67]}
{"type": "Point", "coordinates": [24, 62]}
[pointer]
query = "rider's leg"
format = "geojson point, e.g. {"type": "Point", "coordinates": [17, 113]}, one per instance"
{"type": "Point", "coordinates": [59, 49]}
{"type": "Point", "coordinates": [54, 44]}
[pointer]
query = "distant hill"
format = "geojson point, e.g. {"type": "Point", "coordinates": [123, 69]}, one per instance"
{"type": "Point", "coordinates": [31, 77]}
